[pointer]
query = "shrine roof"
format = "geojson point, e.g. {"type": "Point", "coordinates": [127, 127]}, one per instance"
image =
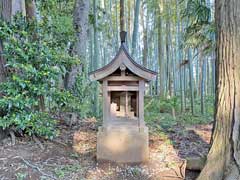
{"type": "Point", "coordinates": [122, 58]}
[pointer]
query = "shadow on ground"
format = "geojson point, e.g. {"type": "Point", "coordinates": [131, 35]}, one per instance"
{"type": "Point", "coordinates": [168, 150]}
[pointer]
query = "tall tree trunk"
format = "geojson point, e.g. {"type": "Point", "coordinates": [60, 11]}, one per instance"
{"type": "Point", "coordinates": [96, 57]}
{"type": "Point", "coordinates": [135, 27]}
{"type": "Point", "coordinates": [167, 39]}
{"type": "Point", "coordinates": [8, 8]}
{"type": "Point", "coordinates": [213, 73]}
{"type": "Point", "coordinates": [223, 160]}
{"type": "Point", "coordinates": [145, 35]}
{"type": "Point", "coordinates": [122, 20]}
{"type": "Point", "coordinates": [5, 13]}
{"type": "Point", "coordinates": [202, 85]}
{"type": "Point", "coordinates": [160, 52]}
{"type": "Point", "coordinates": [80, 21]}
{"type": "Point", "coordinates": [2, 64]}
{"type": "Point", "coordinates": [30, 9]}
{"type": "Point", "coordinates": [111, 26]}
{"type": "Point", "coordinates": [190, 65]}
{"type": "Point", "coordinates": [180, 57]}
{"type": "Point", "coordinates": [129, 21]}
{"type": "Point", "coordinates": [116, 36]}
{"type": "Point", "coordinates": [31, 13]}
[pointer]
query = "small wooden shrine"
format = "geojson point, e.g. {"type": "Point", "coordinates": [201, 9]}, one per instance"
{"type": "Point", "coordinates": [123, 136]}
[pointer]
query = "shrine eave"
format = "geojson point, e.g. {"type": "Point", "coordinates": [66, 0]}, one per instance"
{"type": "Point", "coordinates": [122, 58]}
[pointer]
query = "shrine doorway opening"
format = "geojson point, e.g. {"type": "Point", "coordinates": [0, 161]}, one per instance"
{"type": "Point", "coordinates": [124, 105]}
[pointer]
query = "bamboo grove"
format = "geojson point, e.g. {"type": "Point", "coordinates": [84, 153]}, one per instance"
{"type": "Point", "coordinates": [174, 38]}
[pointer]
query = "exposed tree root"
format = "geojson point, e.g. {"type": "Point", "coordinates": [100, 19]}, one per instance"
{"type": "Point", "coordinates": [37, 168]}
{"type": "Point", "coordinates": [182, 168]}
{"type": "Point", "coordinates": [177, 177]}
{"type": "Point", "coordinates": [60, 143]}
{"type": "Point", "coordinates": [38, 142]}
{"type": "Point", "coordinates": [13, 137]}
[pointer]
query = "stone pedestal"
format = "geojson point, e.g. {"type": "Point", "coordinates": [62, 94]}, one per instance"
{"type": "Point", "coordinates": [122, 144]}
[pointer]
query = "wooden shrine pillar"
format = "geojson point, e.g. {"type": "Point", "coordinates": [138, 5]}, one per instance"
{"type": "Point", "coordinates": [106, 103]}
{"type": "Point", "coordinates": [141, 103]}
{"type": "Point", "coordinates": [126, 104]}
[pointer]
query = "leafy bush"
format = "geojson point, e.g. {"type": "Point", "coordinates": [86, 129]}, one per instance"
{"type": "Point", "coordinates": [34, 68]}
{"type": "Point", "coordinates": [158, 113]}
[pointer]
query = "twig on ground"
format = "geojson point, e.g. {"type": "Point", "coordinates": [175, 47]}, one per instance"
{"type": "Point", "coordinates": [38, 142]}
{"type": "Point", "coordinates": [177, 176]}
{"type": "Point", "coordinates": [59, 142]}
{"type": "Point", "coordinates": [37, 168]}
{"type": "Point", "coordinates": [173, 177]}
{"type": "Point", "coordinates": [182, 168]}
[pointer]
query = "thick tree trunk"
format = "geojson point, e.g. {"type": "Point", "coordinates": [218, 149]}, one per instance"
{"type": "Point", "coordinates": [5, 13]}
{"type": "Point", "coordinates": [223, 160]}
{"type": "Point", "coordinates": [8, 8]}
{"type": "Point", "coordinates": [31, 11]}
{"type": "Point", "coordinates": [80, 16]}
{"type": "Point", "coordinates": [18, 6]}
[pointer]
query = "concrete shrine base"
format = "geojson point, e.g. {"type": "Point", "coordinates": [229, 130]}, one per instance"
{"type": "Point", "coordinates": [123, 144]}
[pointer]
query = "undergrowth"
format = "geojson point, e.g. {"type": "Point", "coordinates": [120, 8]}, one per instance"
{"type": "Point", "coordinates": [158, 113]}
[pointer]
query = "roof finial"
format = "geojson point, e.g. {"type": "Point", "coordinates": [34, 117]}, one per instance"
{"type": "Point", "coordinates": [123, 35]}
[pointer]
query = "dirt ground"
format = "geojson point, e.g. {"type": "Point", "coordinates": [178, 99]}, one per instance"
{"type": "Point", "coordinates": [168, 151]}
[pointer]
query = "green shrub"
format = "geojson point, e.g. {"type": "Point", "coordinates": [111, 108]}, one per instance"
{"type": "Point", "coordinates": [34, 68]}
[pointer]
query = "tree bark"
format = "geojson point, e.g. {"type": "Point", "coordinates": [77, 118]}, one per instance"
{"type": "Point", "coordinates": [129, 21]}
{"type": "Point", "coordinates": [160, 52]}
{"type": "Point", "coordinates": [190, 67]}
{"type": "Point", "coordinates": [31, 14]}
{"type": "Point", "coordinates": [31, 11]}
{"type": "Point", "coordinates": [8, 8]}
{"type": "Point", "coordinates": [5, 13]}
{"type": "Point", "coordinates": [80, 21]}
{"type": "Point", "coordinates": [135, 27]}
{"type": "Point", "coordinates": [223, 161]}
{"type": "Point", "coordinates": [122, 20]}
{"type": "Point", "coordinates": [202, 85]}
{"type": "Point", "coordinates": [95, 58]}
{"type": "Point", "coordinates": [145, 35]}
{"type": "Point", "coordinates": [2, 64]}
{"type": "Point", "coordinates": [167, 39]}
{"type": "Point", "coordinates": [180, 56]}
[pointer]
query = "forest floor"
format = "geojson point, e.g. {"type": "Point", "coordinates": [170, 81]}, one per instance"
{"type": "Point", "coordinates": [168, 151]}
